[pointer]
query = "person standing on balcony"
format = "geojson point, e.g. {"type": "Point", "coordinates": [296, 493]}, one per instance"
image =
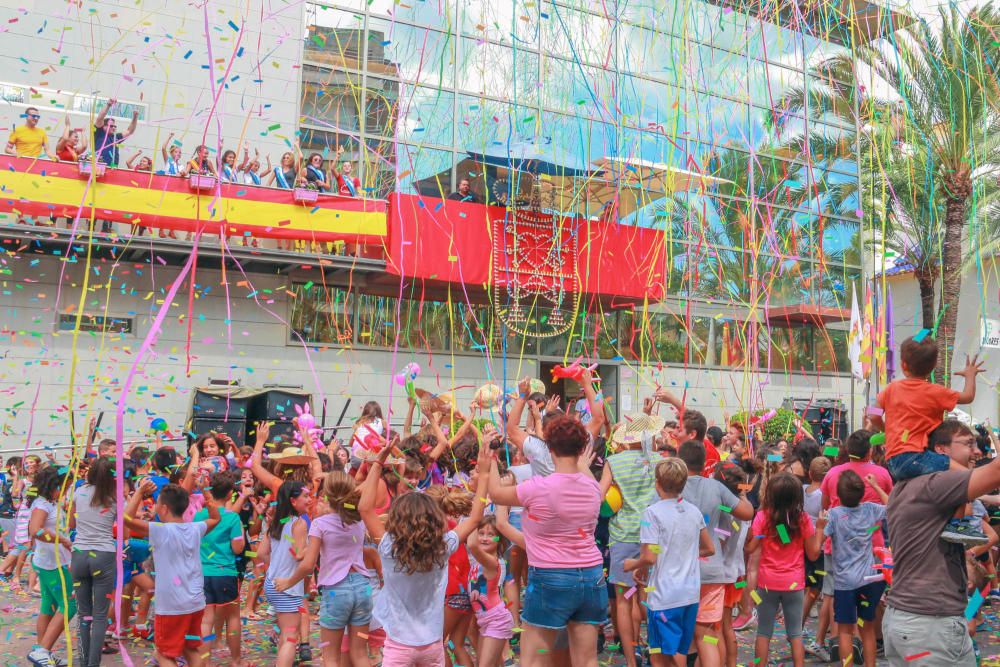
{"type": "Point", "coordinates": [283, 176]}
{"type": "Point", "coordinates": [464, 193]}
{"type": "Point", "coordinates": [199, 163]}
{"type": "Point", "coordinates": [315, 175]}
{"type": "Point", "coordinates": [71, 144]}
{"type": "Point", "coordinates": [348, 185]}
{"type": "Point", "coordinates": [29, 140]}
{"type": "Point", "coordinates": [171, 156]}
{"type": "Point", "coordinates": [106, 140]}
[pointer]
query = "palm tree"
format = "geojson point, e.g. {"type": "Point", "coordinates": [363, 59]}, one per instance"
{"type": "Point", "coordinates": [949, 128]}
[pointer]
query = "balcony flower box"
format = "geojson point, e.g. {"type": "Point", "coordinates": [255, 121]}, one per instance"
{"type": "Point", "coordinates": [86, 168]}
{"type": "Point", "coordinates": [305, 195]}
{"type": "Point", "coordinates": [201, 182]}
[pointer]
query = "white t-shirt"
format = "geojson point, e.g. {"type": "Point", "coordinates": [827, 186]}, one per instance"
{"type": "Point", "coordinates": [94, 525]}
{"type": "Point", "coordinates": [45, 552]}
{"type": "Point", "coordinates": [675, 526]}
{"type": "Point", "coordinates": [180, 585]}
{"type": "Point", "coordinates": [734, 565]}
{"type": "Point", "coordinates": [411, 606]}
{"type": "Point", "coordinates": [539, 456]}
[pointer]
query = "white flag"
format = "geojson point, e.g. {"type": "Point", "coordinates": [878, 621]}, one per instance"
{"type": "Point", "coordinates": [854, 336]}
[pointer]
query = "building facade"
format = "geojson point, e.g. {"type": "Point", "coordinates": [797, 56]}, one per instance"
{"type": "Point", "coordinates": [692, 119]}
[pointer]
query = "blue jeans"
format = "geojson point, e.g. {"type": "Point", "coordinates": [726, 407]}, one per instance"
{"type": "Point", "coordinates": [347, 603]}
{"type": "Point", "coordinates": [914, 464]}
{"type": "Point", "coordinates": [557, 596]}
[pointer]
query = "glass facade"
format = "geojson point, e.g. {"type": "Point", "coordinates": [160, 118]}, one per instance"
{"type": "Point", "coordinates": [712, 100]}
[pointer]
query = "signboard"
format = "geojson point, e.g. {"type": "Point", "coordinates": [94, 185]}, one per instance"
{"type": "Point", "coordinates": [990, 333]}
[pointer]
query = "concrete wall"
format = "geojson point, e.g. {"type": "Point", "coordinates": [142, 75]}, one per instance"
{"type": "Point", "coordinates": [139, 52]}
{"type": "Point", "coordinates": [254, 347]}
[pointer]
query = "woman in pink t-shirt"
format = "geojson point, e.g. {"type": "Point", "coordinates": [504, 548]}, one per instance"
{"type": "Point", "coordinates": [786, 536]}
{"type": "Point", "coordinates": [566, 584]}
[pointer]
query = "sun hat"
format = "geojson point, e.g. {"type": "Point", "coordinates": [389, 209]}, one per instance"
{"type": "Point", "coordinates": [636, 428]}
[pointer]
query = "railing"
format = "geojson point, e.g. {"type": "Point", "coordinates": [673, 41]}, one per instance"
{"type": "Point", "coordinates": [132, 203]}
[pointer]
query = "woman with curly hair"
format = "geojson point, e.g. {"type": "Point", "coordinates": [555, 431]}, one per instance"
{"type": "Point", "coordinates": [566, 583]}
{"type": "Point", "coordinates": [414, 545]}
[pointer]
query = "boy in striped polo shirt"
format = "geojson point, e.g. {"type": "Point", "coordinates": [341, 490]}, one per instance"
{"type": "Point", "coordinates": [631, 470]}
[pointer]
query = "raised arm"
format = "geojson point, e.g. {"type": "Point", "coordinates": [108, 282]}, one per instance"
{"type": "Point", "coordinates": [501, 494]}
{"type": "Point", "coordinates": [506, 529]}
{"type": "Point", "coordinates": [973, 367]}
{"type": "Point", "coordinates": [408, 421]}
{"type": "Point", "coordinates": [165, 148]}
{"type": "Point", "coordinates": [190, 477]}
{"type": "Point", "coordinates": [515, 434]}
{"type": "Point", "coordinates": [103, 114]}
{"type": "Point", "coordinates": [212, 505]}
{"type": "Point", "coordinates": [471, 523]}
{"type": "Point", "coordinates": [309, 449]}
{"type": "Point", "coordinates": [265, 477]}
{"type": "Point", "coordinates": [369, 492]}
{"type": "Point", "coordinates": [596, 407]}
{"type": "Point", "coordinates": [138, 527]}
{"type": "Point", "coordinates": [130, 163]}
{"type": "Point", "coordinates": [130, 130]}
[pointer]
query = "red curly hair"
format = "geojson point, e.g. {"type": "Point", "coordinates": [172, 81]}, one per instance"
{"type": "Point", "coordinates": [565, 436]}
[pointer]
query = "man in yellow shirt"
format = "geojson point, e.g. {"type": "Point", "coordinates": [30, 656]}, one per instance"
{"type": "Point", "coordinates": [29, 140]}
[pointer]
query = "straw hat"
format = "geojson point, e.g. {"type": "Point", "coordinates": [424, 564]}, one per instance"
{"type": "Point", "coordinates": [488, 396]}
{"type": "Point", "coordinates": [434, 402]}
{"type": "Point", "coordinates": [537, 386]}
{"type": "Point", "coordinates": [291, 456]}
{"type": "Point", "coordinates": [636, 427]}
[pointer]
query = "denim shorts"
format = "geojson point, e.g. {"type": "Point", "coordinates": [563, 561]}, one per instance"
{"type": "Point", "coordinates": [346, 603]}
{"type": "Point", "coordinates": [557, 596]}
{"type": "Point", "coordinates": [620, 551]}
{"type": "Point", "coordinates": [908, 465]}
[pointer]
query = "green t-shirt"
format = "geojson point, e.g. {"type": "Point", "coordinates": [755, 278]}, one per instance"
{"type": "Point", "coordinates": [217, 557]}
{"type": "Point", "coordinates": [633, 473]}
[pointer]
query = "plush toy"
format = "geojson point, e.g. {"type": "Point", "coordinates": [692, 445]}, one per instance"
{"type": "Point", "coordinates": [306, 422]}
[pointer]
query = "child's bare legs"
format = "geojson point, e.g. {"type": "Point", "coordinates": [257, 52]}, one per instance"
{"type": "Point", "coordinates": [490, 652]}
{"type": "Point", "coordinates": [288, 639]}
{"type": "Point", "coordinates": [537, 645]}
{"type": "Point", "coordinates": [825, 618]}
{"type": "Point", "coordinates": [329, 649]}
{"type": "Point", "coordinates": [728, 646]}
{"type": "Point", "coordinates": [229, 614]}
{"type": "Point", "coordinates": [708, 651]}
{"type": "Point", "coordinates": [456, 627]}
{"type": "Point", "coordinates": [627, 629]}
{"type": "Point", "coordinates": [164, 661]}
{"type": "Point", "coordinates": [359, 646]}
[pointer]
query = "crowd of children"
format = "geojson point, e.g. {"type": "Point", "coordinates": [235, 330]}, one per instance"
{"type": "Point", "coordinates": [478, 540]}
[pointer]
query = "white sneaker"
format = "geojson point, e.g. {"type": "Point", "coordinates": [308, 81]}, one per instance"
{"type": "Point", "coordinates": [57, 661]}
{"type": "Point", "coordinates": [39, 657]}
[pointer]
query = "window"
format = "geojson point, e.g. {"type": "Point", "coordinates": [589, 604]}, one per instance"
{"type": "Point", "coordinates": [323, 314]}
{"type": "Point", "coordinates": [420, 325]}
{"type": "Point", "coordinates": [97, 324]}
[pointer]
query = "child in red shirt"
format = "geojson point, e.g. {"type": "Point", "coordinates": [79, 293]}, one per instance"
{"type": "Point", "coordinates": [913, 408]}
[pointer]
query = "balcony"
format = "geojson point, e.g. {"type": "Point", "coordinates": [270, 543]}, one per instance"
{"type": "Point", "coordinates": [138, 216]}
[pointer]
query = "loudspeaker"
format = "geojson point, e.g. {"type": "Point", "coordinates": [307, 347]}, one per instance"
{"type": "Point", "coordinates": [277, 404]}
{"type": "Point", "coordinates": [826, 416]}
{"type": "Point", "coordinates": [234, 428]}
{"type": "Point", "coordinates": [211, 405]}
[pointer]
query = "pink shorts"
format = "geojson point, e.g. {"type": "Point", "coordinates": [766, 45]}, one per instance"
{"type": "Point", "coordinates": [376, 640]}
{"type": "Point", "coordinates": [711, 603]}
{"type": "Point", "coordinates": [497, 622]}
{"type": "Point", "coordinates": [400, 655]}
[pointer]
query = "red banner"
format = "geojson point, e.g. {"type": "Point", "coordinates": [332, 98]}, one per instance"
{"type": "Point", "coordinates": [456, 242]}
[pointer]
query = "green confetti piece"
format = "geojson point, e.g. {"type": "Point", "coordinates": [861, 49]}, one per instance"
{"type": "Point", "coordinates": [783, 534]}
{"type": "Point", "coordinates": [831, 451]}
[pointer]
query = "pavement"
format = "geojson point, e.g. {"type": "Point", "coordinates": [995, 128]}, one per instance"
{"type": "Point", "coordinates": [18, 613]}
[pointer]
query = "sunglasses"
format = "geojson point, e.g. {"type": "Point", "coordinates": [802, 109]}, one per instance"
{"type": "Point", "coordinates": [33, 115]}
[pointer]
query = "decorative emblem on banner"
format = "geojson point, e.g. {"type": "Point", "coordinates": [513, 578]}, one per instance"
{"type": "Point", "coordinates": [536, 285]}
